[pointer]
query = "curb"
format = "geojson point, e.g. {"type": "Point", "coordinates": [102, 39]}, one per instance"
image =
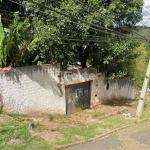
{"type": "Point", "coordinates": [100, 136]}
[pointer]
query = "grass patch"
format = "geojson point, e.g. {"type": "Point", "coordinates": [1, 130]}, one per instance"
{"type": "Point", "coordinates": [76, 134]}
{"type": "Point", "coordinates": [51, 118]}
{"type": "Point", "coordinates": [113, 122]}
{"type": "Point", "coordinates": [86, 132]}
{"type": "Point", "coordinates": [146, 110]}
{"type": "Point", "coordinates": [147, 104]}
{"type": "Point", "coordinates": [145, 114]}
{"type": "Point", "coordinates": [15, 134]}
{"type": "Point", "coordinates": [39, 127]}
{"type": "Point", "coordinates": [57, 118]}
{"type": "Point", "coordinates": [98, 115]}
{"type": "Point", "coordinates": [1, 111]}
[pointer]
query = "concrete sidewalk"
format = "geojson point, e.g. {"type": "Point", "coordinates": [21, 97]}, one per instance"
{"type": "Point", "coordinates": [134, 137]}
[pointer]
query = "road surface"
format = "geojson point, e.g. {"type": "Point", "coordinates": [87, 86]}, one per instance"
{"type": "Point", "coordinates": [136, 137]}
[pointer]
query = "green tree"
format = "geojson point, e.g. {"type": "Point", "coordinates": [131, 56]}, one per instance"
{"type": "Point", "coordinates": [92, 45]}
{"type": "Point", "coordinates": [138, 66]}
{"type": "Point", "coordinates": [80, 36]}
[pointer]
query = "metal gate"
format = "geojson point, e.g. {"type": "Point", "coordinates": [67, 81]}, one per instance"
{"type": "Point", "coordinates": [78, 96]}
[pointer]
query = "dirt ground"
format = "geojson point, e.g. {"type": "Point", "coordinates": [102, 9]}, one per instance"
{"type": "Point", "coordinates": [48, 124]}
{"type": "Point", "coordinates": [50, 133]}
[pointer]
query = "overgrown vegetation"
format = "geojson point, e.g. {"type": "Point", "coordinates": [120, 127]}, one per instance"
{"type": "Point", "coordinates": [139, 65]}
{"type": "Point", "coordinates": [58, 38]}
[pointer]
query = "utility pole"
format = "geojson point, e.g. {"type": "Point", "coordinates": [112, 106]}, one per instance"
{"type": "Point", "coordinates": [143, 92]}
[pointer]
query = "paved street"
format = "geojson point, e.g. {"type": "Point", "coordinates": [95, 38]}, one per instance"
{"type": "Point", "coordinates": [134, 137]}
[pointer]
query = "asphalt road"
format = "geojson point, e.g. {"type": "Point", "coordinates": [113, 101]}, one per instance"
{"type": "Point", "coordinates": [136, 137]}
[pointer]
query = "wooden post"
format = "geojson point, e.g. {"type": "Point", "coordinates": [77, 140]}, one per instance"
{"type": "Point", "coordinates": [143, 93]}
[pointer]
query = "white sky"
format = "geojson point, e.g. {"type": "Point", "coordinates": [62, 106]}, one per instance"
{"type": "Point", "coordinates": [146, 13]}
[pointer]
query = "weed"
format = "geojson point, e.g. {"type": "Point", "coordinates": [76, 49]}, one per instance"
{"type": "Point", "coordinates": [145, 114]}
{"type": "Point", "coordinates": [147, 104]}
{"type": "Point", "coordinates": [20, 117]}
{"type": "Point", "coordinates": [40, 127]}
{"type": "Point", "coordinates": [98, 115]}
{"type": "Point", "coordinates": [51, 118]}
{"type": "Point", "coordinates": [59, 118]}
{"type": "Point", "coordinates": [76, 114]}
{"type": "Point", "coordinates": [1, 111]}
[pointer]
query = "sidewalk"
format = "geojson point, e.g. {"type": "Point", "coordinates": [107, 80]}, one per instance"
{"type": "Point", "coordinates": [134, 137]}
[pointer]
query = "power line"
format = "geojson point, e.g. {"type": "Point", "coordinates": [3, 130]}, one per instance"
{"type": "Point", "coordinates": [100, 37]}
{"type": "Point", "coordinates": [114, 20]}
{"type": "Point", "coordinates": [146, 20]}
{"type": "Point", "coordinates": [75, 18]}
{"type": "Point", "coordinates": [17, 3]}
{"type": "Point", "coordinates": [90, 27]}
{"type": "Point", "coordinates": [81, 40]}
{"type": "Point", "coordinates": [57, 36]}
{"type": "Point", "coordinates": [70, 21]}
{"type": "Point", "coordinates": [6, 11]}
{"type": "Point", "coordinates": [147, 15]}
{"type": "Point", "coordinates": [96, 37]}
{"type": "Point", "coordinates": [146, 6]}
{"type": "Point", "coordinates": [70, 16]}
{"type": "Point", "coordinates": [95, 27]}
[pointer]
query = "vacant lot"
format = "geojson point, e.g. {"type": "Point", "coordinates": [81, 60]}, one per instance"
{"type": "Point", "coordinates": [51, 131]}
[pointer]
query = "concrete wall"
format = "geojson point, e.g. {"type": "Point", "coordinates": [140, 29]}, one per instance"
{"type": "Point", "coordinates": [107, 89]}
{"type": "Point", "coordinates": [102, 88]}
{"type": "Point", "coordinates": [42, 88]}
{"type": "Point", "coordinates": [78, 76]}
{"type": "Point", "coordinates": [32, 89]}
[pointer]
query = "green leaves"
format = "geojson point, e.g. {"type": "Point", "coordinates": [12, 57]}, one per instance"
{"type": "Point", "coordinates": [58, 38]}
{"type": "Point", "coordinates": [19, 33]}
{"type": "Point", "coordinates": [2, 49]}
{"type": "Point", "coordinates": [138, 66]}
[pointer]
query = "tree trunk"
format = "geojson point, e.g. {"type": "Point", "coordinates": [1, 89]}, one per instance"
{"type": "Point", "coordinates": [83, 56]}
{"type": "Point", "coordinates": [83, 62]}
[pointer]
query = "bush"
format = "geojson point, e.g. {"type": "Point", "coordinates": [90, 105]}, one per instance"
{"type": "Point", "coordinates": [138, 66]}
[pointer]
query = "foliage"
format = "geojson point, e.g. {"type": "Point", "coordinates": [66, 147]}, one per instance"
{"type": "Point", "coordinates": [19, 33]}
{"type": "Point", "coordinates": [103, 50]}
{"type": "Point", "coordinates": [2, 53]}
{"type": "Point", "coordinates": [138, 66]}
{"type": "Point", "coordinates": [115, 59]}
{"type": "Point", "coordinates": [144, 31]}
{"type": "Point", "coordinates": [79, 35]}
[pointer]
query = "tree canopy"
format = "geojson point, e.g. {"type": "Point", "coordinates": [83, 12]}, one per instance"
{"type": "Point", "coordinates": [97, 31]}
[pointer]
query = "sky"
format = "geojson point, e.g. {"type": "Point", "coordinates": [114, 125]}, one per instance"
{"type": "Point", "coordinates": [146, 13]}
